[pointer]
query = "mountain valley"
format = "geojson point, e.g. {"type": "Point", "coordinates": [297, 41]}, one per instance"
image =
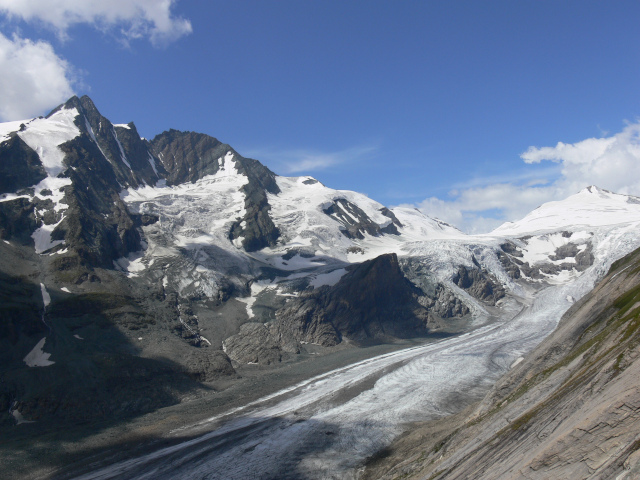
{"type": "Point", "coordinates": [160, 290]}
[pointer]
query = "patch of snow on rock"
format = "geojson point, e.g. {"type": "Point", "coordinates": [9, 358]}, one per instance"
{"type": "Point", "coordinates": [42, 238]}
{"type": "Point", "coordinates": [46, 298]}
{"type": "Point", "coordinates": [256, 288]}
{"type": "Point", "coordinates": [17, 416]}
{"type": "Point", "coordinates": [45, 135]}
{"type": "Point", "coordinates": [152, 162]}
{"type": "Point", "coordinates": [131, 264]}
{"type": "Point", "coordinates": [122, 154]}
{"type": "Point", "coordinates": [329, 279]}
{"type": "Point", "coordinates": [7, 128]}
{"type": "Point", "coordinates": [38, 357]}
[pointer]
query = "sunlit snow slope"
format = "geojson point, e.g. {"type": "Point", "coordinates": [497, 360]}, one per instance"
{"type": "Point", "coordinates": [591, 207]}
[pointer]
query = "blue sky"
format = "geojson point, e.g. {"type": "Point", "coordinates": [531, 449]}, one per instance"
{"type": "Point", "coordinates": [427, 103]}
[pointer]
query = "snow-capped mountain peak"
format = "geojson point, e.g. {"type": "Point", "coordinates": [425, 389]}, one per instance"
{"type": "Point", "coordinates": [591, 207]}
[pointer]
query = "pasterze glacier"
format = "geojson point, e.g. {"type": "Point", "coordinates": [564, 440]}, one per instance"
{"type": "Point", "coordinates": [172, 309]}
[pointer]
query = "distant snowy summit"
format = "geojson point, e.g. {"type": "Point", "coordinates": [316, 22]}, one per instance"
{"type": "Point", "coordinates": [591, 207]}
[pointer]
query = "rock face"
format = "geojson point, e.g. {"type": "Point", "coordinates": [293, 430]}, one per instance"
{"type": "Point", "coordinates": [17, 221]}
{"type": "Point", "coordinates": [570, 410]}
{"type": "Point", "coordinates": [128, 158]}
{"type": "Point", "coordinates": [259, 343]}
{"type": "Point", "coordinates": [97, 225]}
{"type": "Point", "coordinates": [210, 366]}
{"type": "Point", "coordinates": [373, 300]}
{"type": "Point", "coordinates": [190, 156]}
{"type": "Point", "coordinates": [20, 168]}
{"type": "Point", "coordinates": [356, 223]}
{"type": "Point", "coordinates": [479, 284]}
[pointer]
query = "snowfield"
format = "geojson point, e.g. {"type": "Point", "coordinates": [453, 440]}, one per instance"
{"type": "Point", "coordinates": [591, 207]}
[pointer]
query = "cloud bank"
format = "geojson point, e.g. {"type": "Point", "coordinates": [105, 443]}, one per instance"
{"type": "Point", "coordinates": [32, 78]}
{"type": "Point", "coordinates": [133, 19]}
{"type": "Point", "coordinates": [612, 163]}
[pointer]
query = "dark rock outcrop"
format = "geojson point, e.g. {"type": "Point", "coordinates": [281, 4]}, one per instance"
{"type": "Point", "coordinates": [444, 304]}
{"type": "Point", "coordinates": [20, 166]}
{"type": "Point", "coordinates": [388, 213]}
{"type": "Point", "coordinates": [189, 156]}
{"type": "Point", "coordinates": [205, 365]}
{"type": "Point", "coordinates": [130, 165]}
{"type": "Point", "coordinates": [260, 344]}
{"type": "Point", "coordinates": [355, 222]}
{"type": "Point", "coordinates": [440, 301]}
{"type": "Point", "coordinates": [479, 284]}
{"type": "Point", "coordinates": [97, 225]}
{"type": "Point", "coordinates": [18, 221]}
{"type": "Point", "coordinates": [256, 229]}
{"type": "Point", "coordinates": [138, 154]}
{"type": "Point", "coordinates": [510, 265]}
{"type": "Point", "coordinates": [372, 301]}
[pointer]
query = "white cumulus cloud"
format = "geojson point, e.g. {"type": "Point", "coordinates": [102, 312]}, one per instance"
{"type": "Point", "coordinates": [32, 78]}
{"type": "Point", "coordinates": [133, 18]}
{"type": "Point", "coordinates": [612, 163]}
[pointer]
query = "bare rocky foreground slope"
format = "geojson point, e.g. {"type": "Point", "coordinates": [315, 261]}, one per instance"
{"type": "Point", "coordinates": [146, 285]}
{"type": "Point", "coordinates": [569, 410]}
